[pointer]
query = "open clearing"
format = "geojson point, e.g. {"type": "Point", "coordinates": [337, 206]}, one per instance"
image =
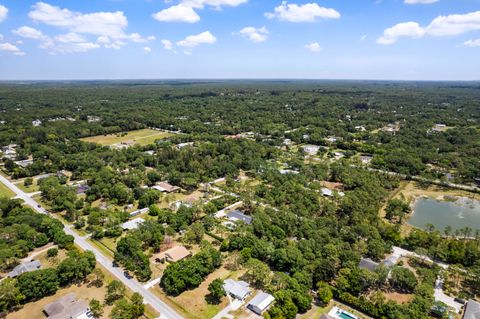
{"type": "Point", "coordinates": [5, 191]}
{"type": "Point", "coordinates": [139, 137]}
{"type": "Point", "coordinates": [192, 303]}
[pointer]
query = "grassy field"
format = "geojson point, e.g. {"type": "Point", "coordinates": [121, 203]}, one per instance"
{"type": "Point", "coordinates": [139, 137]}
{"type": "Point", "coordinates": [5, 191]}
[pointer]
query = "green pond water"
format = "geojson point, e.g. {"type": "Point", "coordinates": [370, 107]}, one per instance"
{"type": "Point", "coordinates": [464, 212]}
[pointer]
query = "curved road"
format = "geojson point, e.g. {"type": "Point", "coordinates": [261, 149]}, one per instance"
{"type": "Point", "coordinates": [164, 310]}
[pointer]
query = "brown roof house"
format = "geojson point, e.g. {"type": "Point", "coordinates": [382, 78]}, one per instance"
{"type": "Point", "coordinates": [174, 254]}
{"type": "Point", "coordinates": [68, 307]}
{"type": "Point", "coordinates": [165, 187]}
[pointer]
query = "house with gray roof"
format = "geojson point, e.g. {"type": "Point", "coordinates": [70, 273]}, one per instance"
{"type": "Point", "coordinates": [472, 310]}
{"type": "Point", "coordinates": [367, 263]}
{"type": "Point", "coordinates": [68, 307]}
{"type": "Point", "coordinates": [25, 267]}
{"type": "Point", "coordinates": [236, 215]}
{"type": "Point", "coordinates": [260, 302]}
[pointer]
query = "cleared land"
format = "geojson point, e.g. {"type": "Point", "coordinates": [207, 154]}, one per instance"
{"type": "Point", "coordinates": [5, 191]}
{"type": "Point", "coordinates": [139, 137]}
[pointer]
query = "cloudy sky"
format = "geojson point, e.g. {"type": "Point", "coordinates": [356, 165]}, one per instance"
{"type": "Point", "coordinates": [320, 39]}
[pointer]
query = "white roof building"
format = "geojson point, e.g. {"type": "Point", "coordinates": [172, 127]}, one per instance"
{"type": "Point", "coordinates": [236, 289]}
{"type": "Point", "coordinates": [260, 302]}
{"type": "Point", "coordinates": [132, 224]}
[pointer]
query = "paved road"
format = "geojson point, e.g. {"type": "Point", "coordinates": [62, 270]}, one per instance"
{"type": "Point", "coordinates": [165, 311]}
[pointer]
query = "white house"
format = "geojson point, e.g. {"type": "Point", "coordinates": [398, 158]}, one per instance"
{"type": "Point", "coordinates": [260, 302]}
{"type": "Point", "coordinates": [132, 224]}
{"type": "Point", "coordinates": [236, 289]}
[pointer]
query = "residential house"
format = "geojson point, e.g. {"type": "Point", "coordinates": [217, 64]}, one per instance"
{"type": "Point", "coordinates": [165, 187]}
{"type": "Point", "coordinates": [311, 149]}
{"type": "Point", "coordinates": [24, 163]}
{"type": "Point", "coordinates": [25, 267]}
{"type": "Point", "coordinates": [68, 307]}
{"type": "Point", "coordinates": [138, 212]}
{"type": "Point", "coordinates": [132, 224]}
{"type": "Point", "coordinates": [174, 254]}
{"type": "Point", "coordinates": [368, 264]}
{"type": "Point", "coordinates": [236, 215]}
{"type": "Point", "coordinates": [236, 289]}
{"type": "Point", "coordinates": [472, 310]}
{"type": "Point", "coordinates": [36, 122]}
{"type": "Point", "coordinates": [260, 302]}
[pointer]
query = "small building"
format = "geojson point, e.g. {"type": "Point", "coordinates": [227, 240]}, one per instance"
{"type": "Point", "coordinates": [236, 289]}
{"type": "Point", "coordinates": [68, 307]}
{"type": "Point", "coordinates": [165, 187]}
{"type": "Point", "coordinates": [24, 163]}
{"type": "Point", "coordinates": [368, 264]}
{"type": "Point", "coordinates": [327, 192]}
{"type": "Point", "coordinates": [236, 215]}
{"type": "Point", "coordinates": [365, 159]}
{"type": "Point", "coordinates": [472, 310]}
{"type": "Point", "coordinates": [82, 189]}
{"type": "Point", "coordinates": [260, 302]}
{"type": "Point", "coordinates": [288, 171]}
{"type": "Point", "coordinates": [25, 267]}
{"type": "Point", "coordinates": [174, 254]}
{"type": "Point", "coordinates": [36, 122]}
{"type": "Point", "coordinates": [138, 212]}
{"type": "Point", "coordinates": [311, 149]}
{"type": "Point", "coordinates": [182, 145]}
{"type": "Point", "coordinates": [132, 224]}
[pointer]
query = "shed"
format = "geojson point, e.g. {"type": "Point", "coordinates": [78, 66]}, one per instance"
{"type": "Point", "coordinates": [260, 302]}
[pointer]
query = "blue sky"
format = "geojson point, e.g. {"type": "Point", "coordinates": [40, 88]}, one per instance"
{"type": "Point", "coordinates": [324, 39]}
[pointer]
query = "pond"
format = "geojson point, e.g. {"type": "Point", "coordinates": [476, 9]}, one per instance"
{"type": "Point", "coordinates": [464, 212]}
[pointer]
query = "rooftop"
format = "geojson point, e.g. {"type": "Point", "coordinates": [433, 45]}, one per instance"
{"type": "Point", "coordinates": [133, 224]}
{"type": "Point", "coordinates": [472, 310]}
{"type": "Point", "coordinates": [25, 267]}
{"type": "Point", "coordinates": [261, 301]}
{"type": "Point", "coordinates": [165, 187]}
{"type": "Point", "coordinates": [175, 254]}
{"type": "Point", "coordinates": [236, 215]}
{"type": "Point", "coordinates": [367, 263]}
{"type": "Point", "coordinates": [237, 289]}
{"type": "Point", "coordinates": [67, 307]}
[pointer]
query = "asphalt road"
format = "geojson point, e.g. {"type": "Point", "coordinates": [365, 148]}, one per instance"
{"type": "Point", "coordinates": [165, 311]}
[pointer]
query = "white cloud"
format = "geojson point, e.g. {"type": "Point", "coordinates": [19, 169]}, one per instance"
{"type": "Point", "coordinates": [308, 12]}
{"type": "Point", "coordinates": [30, 33]}
{"type": "Point", "coordinates": [70, 38]}
{"type": "Point", "coordinates": [453, 24]}
{"type": "Point", "coordinates": [472, 43]}
{"type": "Point", "coordinates": [314, 47]}
{"type": "Point", "coordinates": [213, 3]}
{"type": "Point", "coordinates": [8, 47]}
{"type": "Point", "coordinates": [147, 49]}
{"type": "Point", "coordinates": [167, 45]}
{"type": "Point", "coordinates": [363, 37]}
{"type": "Point", "coordinates": [401, 30]}
{"type": "Point", "coordinates": [1, 37]}
{"type": "Point", "coordinates": [178, 13]}
{"type": "Point", "coordinates": [135, 37]}
{"type": "Point", "coordinates": [254, 34]}
{"type": "Point", "coordinates": [3, 13]}
{"type": "Point", "coordinates": [420, 1]}
{"type": "Point", "coordinates": [194, 40]}
{"type": "Point", "coordinates": [74, 47]}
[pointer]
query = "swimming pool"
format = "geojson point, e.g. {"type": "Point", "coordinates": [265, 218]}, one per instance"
{"type": "Point", "coordinates": [346, 315]}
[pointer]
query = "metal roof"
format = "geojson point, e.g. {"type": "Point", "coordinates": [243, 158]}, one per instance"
{"type": "Point", "coordinates": [238, 215]}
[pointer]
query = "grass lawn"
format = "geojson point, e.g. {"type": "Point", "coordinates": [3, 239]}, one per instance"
{"type": "Point", "coordinates": [139, 137]}
{"type": "Point", "coordinates": [30, 189]}
{"type": "Point", "coordinates": [5, 191]}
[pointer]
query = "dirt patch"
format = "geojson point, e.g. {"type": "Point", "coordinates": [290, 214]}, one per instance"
{"type": "Point", "coordinates": [399, 298]}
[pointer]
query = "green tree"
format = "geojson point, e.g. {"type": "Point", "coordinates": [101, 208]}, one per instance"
{"type": "Point", "coordinates": [115, 291]}
{"type": "Point", "coordinates": [10, 294]}
{"type": "Point", "coordinates": [324, 293]}
{"type": "Point", "coordinates": [403, 279]}
{"type": "Point", "coordinates": [216, 291]}
{"type": "Point", "coordinates": [38, 284]}
{"type": "Point", "coordinates": [96, 308]}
